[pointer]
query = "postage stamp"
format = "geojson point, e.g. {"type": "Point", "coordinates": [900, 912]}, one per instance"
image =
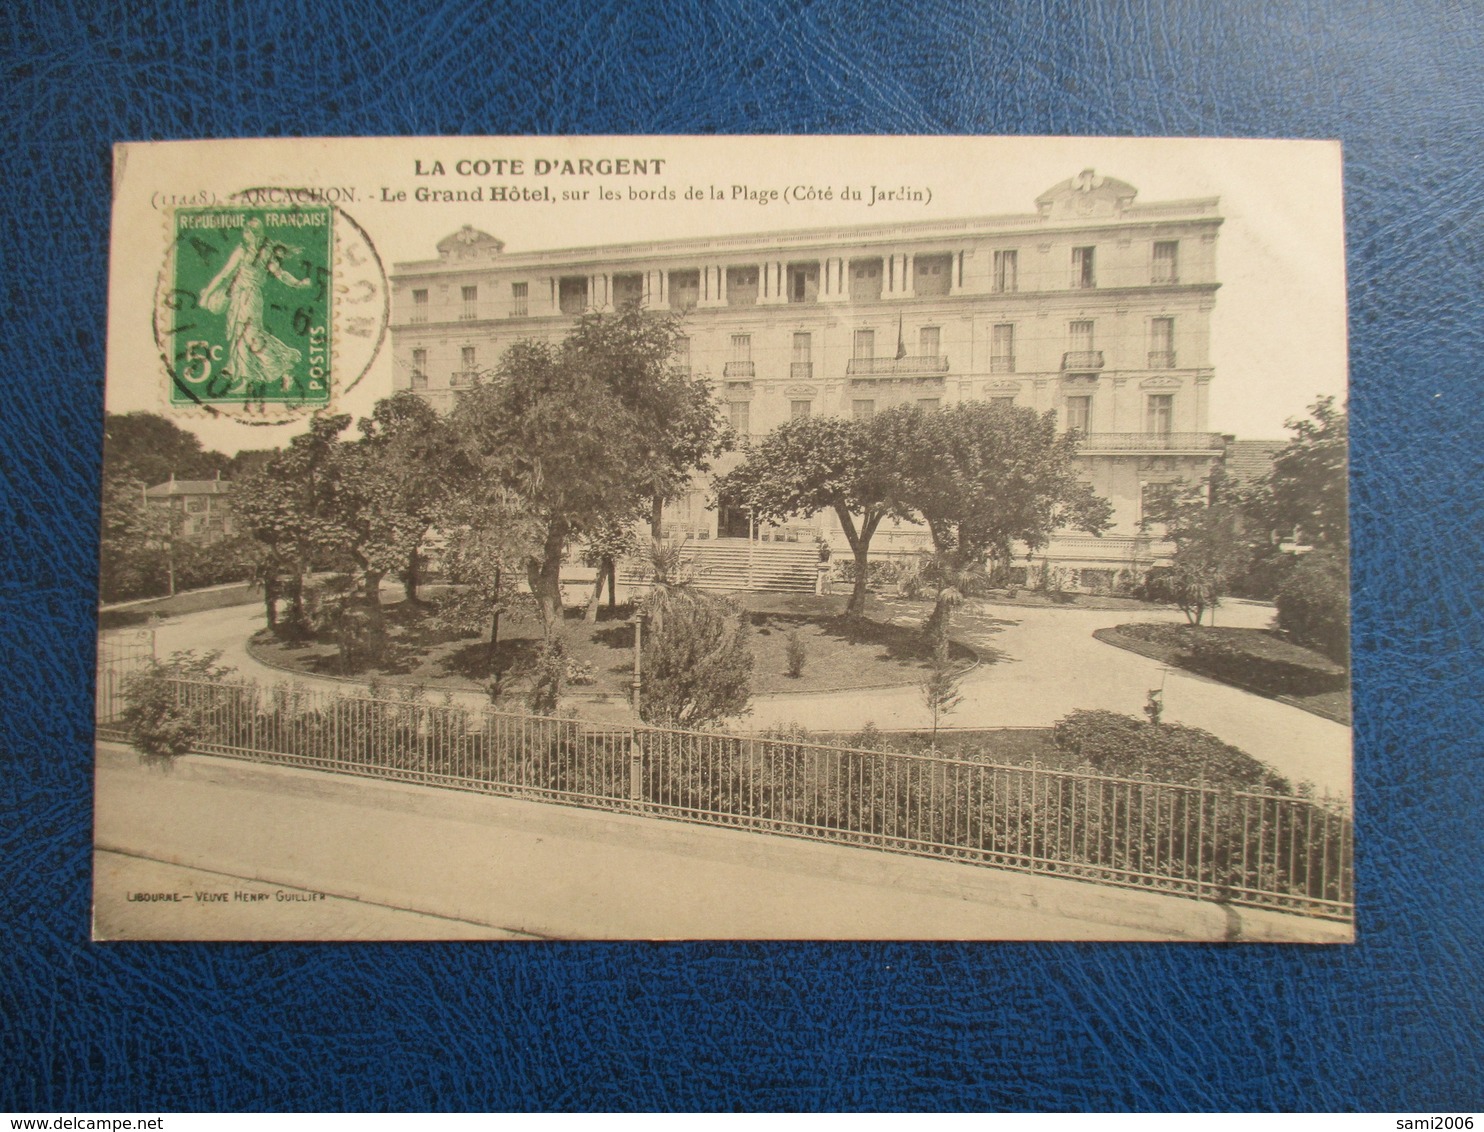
{"type": "Point", "coordinates": [246, 318]}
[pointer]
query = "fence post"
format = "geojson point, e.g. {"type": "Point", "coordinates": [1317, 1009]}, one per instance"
{"type": "Point", "coordinates": [636, 767]}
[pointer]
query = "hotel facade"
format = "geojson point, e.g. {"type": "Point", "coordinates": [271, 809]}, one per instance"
{"type": "Point", "coordinates": [1092, 306]}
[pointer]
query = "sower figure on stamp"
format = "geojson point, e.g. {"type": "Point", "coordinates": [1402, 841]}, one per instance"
{"type": "Point", "coordinates": [255, 358]}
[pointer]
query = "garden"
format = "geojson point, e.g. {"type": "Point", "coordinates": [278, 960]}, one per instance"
{"type": "Point", "coordinates": [798, 643]}
{"type": "Point", "coordinates": [1262, 661]}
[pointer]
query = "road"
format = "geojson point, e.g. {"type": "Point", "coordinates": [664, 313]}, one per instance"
{"type": "Point", "coordinates": [1040, 665]}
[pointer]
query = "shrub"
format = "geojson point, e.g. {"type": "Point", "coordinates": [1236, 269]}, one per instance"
{"type": "Point", "coordinates": [159, 722]}
{"type": "Point", "coordinates": [698, 666]}
{"type": "Point", "coordinates": [580, 672]}
{"type": "Point", "coordinates": [1124, 746]}
{"type": "Point", "coordinates": [547, 677]}
{"type": "Point", "coordinates": [798, 653]}
{"type": "Point", "coordinates": [1314, 604]}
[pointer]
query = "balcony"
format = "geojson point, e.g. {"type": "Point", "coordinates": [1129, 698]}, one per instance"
{"type": "Point", "coordinates": [1161, 359]}
{"type": "Point", "coordinates": [1197, 443]}
{"type": "Point", "coordinates": [461, 378]}
{"type": "Point", "coordinates": [739, 369]}
{"type": "Point", "coordinates": [801, 371]}
{"type": "Point", "coordinates": [897, 367]}
{"type": "Point", "coordinates": [1002, 363]}
{"type": "Point", "coordinates": [1081, 361]}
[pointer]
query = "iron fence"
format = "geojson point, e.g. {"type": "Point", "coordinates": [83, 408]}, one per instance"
{"type": "Point", "coordinates": [120, 656]}
{"type": "Point", "coordinates": [1242, 847]}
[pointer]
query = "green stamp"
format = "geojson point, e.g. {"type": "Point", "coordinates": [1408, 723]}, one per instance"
{"type": "Point", "coordinates": [249, 307]}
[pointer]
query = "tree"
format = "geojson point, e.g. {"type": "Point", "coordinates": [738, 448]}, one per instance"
{"type": "Point", "coordinates": [603, 548]}
{"type": "Point", "coordinates": [817, 463]}
{"type": "Point", "coordinates": [589, 431]}
{"type": "Point", "coordinates": [1307, 486]}
{"type": "Point", "coordinates": [287, 507]}
{"type": "Point", "coordinates": [1205, 521]}
{"type": "Point", "coordinates": [698, 667]}
{"type": "Point", "coordinates": [490, 536]}
{"type": "Point", "coordinates": [411, 454]}
{"type": "Point", "coordinates": [940, 684]}
{"type": "Point", "coordinates": [672, 577]}
{"type": "Point", "coordinates": [150, 448]}
{"type": "Point", "coordinates": [983, 476]}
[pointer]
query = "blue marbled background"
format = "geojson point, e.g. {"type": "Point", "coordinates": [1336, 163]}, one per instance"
{"type": "Point", "coordinates": [1392, 1023]}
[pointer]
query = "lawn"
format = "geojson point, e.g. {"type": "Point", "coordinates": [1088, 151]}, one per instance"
{"type": "Point", "coordinates": [839, 653]}
{"type": "Point", "coordinates": [1256, 660]}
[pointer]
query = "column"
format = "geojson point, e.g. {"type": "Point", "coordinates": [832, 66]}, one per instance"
{"type": "Point", "coordinates": [832, 287]}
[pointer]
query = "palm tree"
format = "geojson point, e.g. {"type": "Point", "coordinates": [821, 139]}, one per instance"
{"type": "Point", "coordinates": [673, 575]}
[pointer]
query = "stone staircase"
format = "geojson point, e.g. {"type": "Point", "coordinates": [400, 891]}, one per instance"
{"type": "Point", "coordinates": [732, 564]}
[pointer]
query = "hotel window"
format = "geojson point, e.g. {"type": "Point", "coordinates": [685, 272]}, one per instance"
{"type": "Point", "coordinates": [628, 290]}
{"type": "Point", "coordinates": [932, 274]}
{"type": "Point", "coordinates": [1002, 348]}
{"type": "Point", "coordinates": [1083, 278]}
{"type": "Point", "coordinates": [468, 366]}
{"type": "Point", "coordinates": [739, 416]}
{"type": "Point", "coordinates": [801, 367]}
{"type": "Point", "coordinates": [741, 363]}
{"type": "Point", "coordinates": [1079, 413]}
{"type": "Point", "coordinates": [572, 294]}
{"type": "Point", "coordinates": [1161, 343]}
{"type": "Point", "coordinates": [471, 303]}
{"type": "Point", "coordinates": [929, 339]}
{"type": "Point", "coordinates": [1159, 413]}
{"type": "Point", "coordinates": [798, 410]}
{"type": "Point", "coordinates": [1004, 401]}
{"type": "Point", "coordinates": [419, 369]}
{"type": "Point", "coordinates": [927, 403]}
{"type": "Point", "coordinates": [803, 282]}
{"type": "Point", "coordinates": [863, 410]}
{"type": "Point", "coordinates": [1079, 335]}
{"type": "Point", "coordinates": [420, 306]}
{"type": "Point", "coordinates": [682, 354]}
{"type": "Point", "coordinates": [865, 344]}
{"type": "Point", "coordinates": [742, 286]}
{"type": "Point", "coordinates": [685, 290]}
{"type": "Point", "coordinates": [520, 294]}
{"type": "Point", "coordinates": [1006, 270]}
{"type": "Point", "coordinates": [1166, 265]}
{"type": "Point", "coordinates": [865, 279]}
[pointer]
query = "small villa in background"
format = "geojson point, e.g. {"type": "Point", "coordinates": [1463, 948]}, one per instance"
{"type": "Point", "coordinates": [204, 506]}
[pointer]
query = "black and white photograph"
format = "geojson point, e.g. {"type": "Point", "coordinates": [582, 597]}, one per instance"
{"type": "Point", "coordinates": [725, 538]}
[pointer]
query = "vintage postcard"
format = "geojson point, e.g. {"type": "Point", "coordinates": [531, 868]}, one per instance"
{"type": "Point", "coordinates": [676, 538]}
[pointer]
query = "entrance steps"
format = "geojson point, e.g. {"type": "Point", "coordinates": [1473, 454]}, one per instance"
{"type": "Point", "coordinates": [732, 564]}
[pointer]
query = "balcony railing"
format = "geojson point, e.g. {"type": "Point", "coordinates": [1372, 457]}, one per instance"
{"type": "Point", "coordinates": [1151, 442]}
{"type": "Point", "coordinates": [1161, 359]}
{"type": "Point", "coordinates": [801, 371]}
{"type": "Point", "coordinates": [897, 367]}
{"type": "Point", "coordinates": [1080, 361]}
{"type": "Point", "coordinates": [461, 377]}
{"type": "Point", "coordinates": [1002, 363]}
{"type": "Point", "coordinates": [739, 369]}
{"type": "Point", "coordinates": [419, 379]}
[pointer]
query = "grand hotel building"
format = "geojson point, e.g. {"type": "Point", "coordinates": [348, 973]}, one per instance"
{"type": "Point", "coordinates": [1093, 306]}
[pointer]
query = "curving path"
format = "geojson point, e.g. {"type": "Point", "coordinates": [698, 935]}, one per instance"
{"type": "Point", "coordinates": [1047, 664]}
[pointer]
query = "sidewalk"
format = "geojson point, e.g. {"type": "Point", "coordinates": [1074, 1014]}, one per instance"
{"type": "Point", "coordinates": [533, 868]}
